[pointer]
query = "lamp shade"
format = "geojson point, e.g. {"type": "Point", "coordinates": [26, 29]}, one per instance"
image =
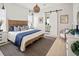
{"type": "Point", "coordinates": [36, 9]}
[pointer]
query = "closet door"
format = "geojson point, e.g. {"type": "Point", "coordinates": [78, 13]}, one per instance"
{"type": "Point", "coordinates": [53, 23]}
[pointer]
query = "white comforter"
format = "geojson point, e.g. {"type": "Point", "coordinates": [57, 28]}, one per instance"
{"type": "Point", "coordinates": [12, 36]}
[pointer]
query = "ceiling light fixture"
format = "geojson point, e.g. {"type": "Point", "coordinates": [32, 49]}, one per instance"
{"type": "Point", "coordinates": [3, 6]}
{"type": "Point", "coordinates": [36, 9]}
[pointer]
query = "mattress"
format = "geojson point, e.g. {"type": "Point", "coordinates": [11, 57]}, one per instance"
{"type": "Point", "coordinates": [12, 36]}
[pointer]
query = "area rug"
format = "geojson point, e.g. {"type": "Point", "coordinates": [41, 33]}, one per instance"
{"type": "Point", "coordinates": [38, 48]}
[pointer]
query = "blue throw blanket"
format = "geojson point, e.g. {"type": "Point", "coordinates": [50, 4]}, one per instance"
{"type": "Point", "coordinates": [20, 36]}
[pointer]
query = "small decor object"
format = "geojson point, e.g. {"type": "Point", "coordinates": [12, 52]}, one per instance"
{"type": "Point", "coordinates": [36, 9]}
{"type": "Point", "coordinates": [75, 48]}
{"type": "Point", "coordinates": [64, 19]}
{"type": "Point", "coordinates": [40, 19]}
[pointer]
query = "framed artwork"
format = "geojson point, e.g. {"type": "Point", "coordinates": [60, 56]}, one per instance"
{"type": "Point", "coordinates": [64, 19]}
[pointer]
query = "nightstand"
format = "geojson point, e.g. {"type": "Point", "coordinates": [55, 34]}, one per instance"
{"type": "Point", "coordinates": [3, 38]}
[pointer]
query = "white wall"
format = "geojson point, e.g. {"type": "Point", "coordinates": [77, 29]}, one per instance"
{"type": "Point", "coordinates": [37, 24]}
{"type": "Point", "coordinates": [67, 10]}
{"type": "Point", "coordinates": [75, 11]}
{"type": "Point", "coordinates": [14, 11]}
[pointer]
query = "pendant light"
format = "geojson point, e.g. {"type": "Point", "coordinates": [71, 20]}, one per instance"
{"type": "Point", "coordinates": [36, 9]}
{"type": "Point", "coordinates": [3, 7]}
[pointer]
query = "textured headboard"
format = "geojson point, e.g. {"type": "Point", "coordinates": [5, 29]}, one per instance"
{"type": "Point", "coordinates": [17, 22]}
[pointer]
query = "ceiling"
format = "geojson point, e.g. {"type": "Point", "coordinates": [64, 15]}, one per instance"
{"type": "Point", "coordinates": [45, 6]}
{"type": "Point", "coordinates": [31, 5]}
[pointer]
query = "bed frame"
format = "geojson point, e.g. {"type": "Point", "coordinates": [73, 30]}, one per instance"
{"type": "Point", "coordinates": [21, 23]}
{"type": "Point", "coordinates": [17, 22]}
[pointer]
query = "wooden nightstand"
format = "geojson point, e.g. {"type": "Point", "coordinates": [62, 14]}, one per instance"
{"type": "Point", "coordinates": [3, 38]}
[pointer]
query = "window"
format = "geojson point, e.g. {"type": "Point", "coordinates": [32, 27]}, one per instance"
{"type": "Point", "coordinates": [47, 24]}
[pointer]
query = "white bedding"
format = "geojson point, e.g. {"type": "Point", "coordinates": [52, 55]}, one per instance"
{"type": "Point", "coordinates": [12, 36]}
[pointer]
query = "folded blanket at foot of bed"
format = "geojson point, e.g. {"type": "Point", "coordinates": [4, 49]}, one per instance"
{"type": "Point", "coordinates": [20, 36]}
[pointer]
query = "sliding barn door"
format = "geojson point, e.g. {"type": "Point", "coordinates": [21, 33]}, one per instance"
{"type": "Point", "coordinates": [53, 24]}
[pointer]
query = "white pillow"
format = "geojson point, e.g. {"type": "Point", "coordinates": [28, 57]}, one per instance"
{"type": "Point", "coordinates": [16, 28]}
{"type": "Point", "coordinates": [19, 29]}
{"type": "Point", "coordinates": [25, 27]}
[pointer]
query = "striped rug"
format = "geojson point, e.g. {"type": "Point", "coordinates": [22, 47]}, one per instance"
{"type": "Point", "coordinates": [38, 48]}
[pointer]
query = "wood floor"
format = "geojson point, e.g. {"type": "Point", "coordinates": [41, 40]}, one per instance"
{"type": "Point", "coordinates": [58, 48]}
{"type": "Point", "coordinates": [38, 48]}
{"type": "Point", "coordinates": [1, 54]}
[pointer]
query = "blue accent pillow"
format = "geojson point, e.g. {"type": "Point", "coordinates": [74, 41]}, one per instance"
{"type": "Point", "coordinates": [11, 28]}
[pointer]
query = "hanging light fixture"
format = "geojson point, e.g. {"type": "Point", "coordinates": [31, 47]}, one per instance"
{"type": "Point", "coordinates": [3, 6]}
{"type": "Point", "coordinates": [36, 9]}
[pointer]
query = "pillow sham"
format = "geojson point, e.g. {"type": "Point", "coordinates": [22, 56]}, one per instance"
{"type": "Point", "coordinates": [15, 28]}
{"type": "Point", "coordinates": [26, 27]}
{"type": "Point", "coordinates": [11, 28]}
{"type": "Point", "coordinates": [22, 28]}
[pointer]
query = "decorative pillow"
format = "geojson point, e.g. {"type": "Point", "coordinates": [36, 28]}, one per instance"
{"type": "Point", "coordinates": [19, 29]}
{"type": "Point", "coordinates": [23, 28]}
{"type": "Point", "coordinates": [16, 28]}
{"type": "Point", "coordinates": [26, 27]}
{"type": "Point", "coordinates": [11, 28]}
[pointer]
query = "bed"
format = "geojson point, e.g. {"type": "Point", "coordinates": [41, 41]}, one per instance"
{"type": "Point", "coordinates": [32, 35]}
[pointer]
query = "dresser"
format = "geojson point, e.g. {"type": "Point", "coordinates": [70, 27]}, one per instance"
{"type": "Point", "coordinates": [3, 38]}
